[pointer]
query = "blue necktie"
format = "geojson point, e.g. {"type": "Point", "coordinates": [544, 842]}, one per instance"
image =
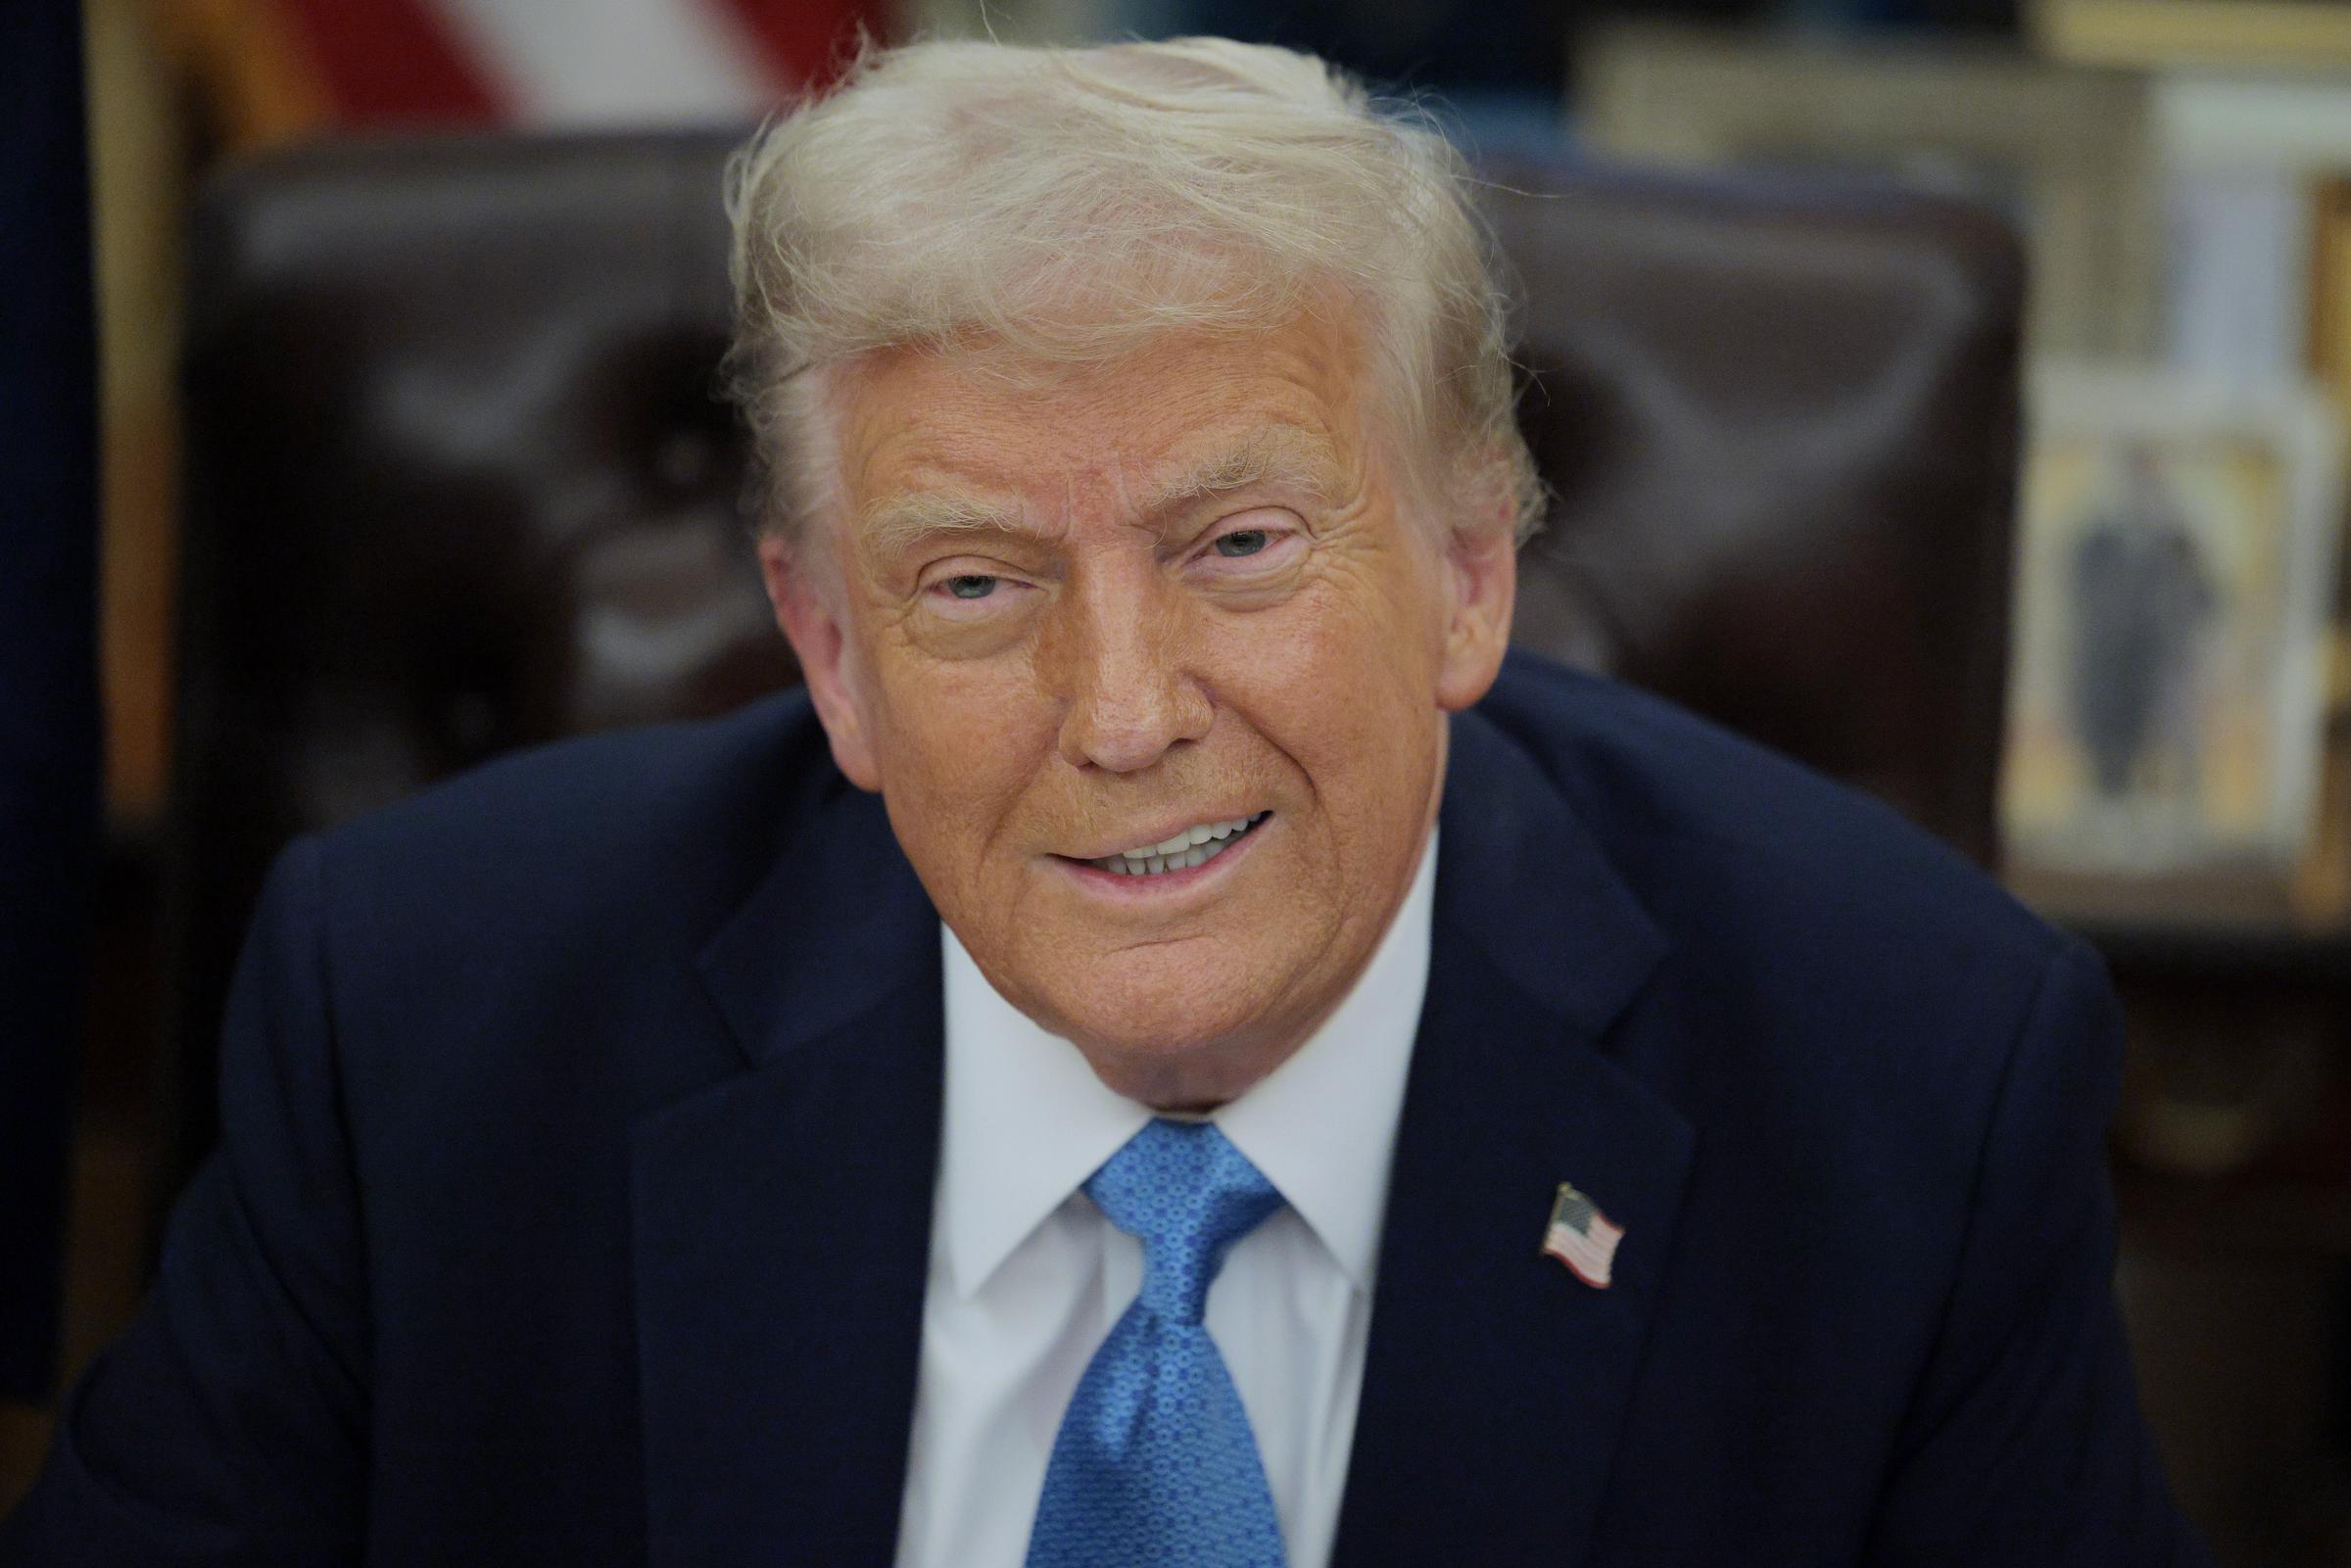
{"type": "Point", "coordinates": [1155, 1465]}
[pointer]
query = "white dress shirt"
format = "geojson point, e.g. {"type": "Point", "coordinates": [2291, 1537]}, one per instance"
{"type": "Point", "coordinates": [1028, 1278]}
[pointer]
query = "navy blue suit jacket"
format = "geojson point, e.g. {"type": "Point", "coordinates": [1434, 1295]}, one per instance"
{"type": "Point", "coordinates": [581, 1122]}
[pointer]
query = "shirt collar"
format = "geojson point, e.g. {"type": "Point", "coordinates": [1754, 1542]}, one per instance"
{"type": "Point", "coordinates": [1026, 1121]}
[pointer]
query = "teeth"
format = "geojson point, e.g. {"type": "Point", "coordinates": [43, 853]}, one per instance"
{"type": "Point", "coordinates": [1194, 846]}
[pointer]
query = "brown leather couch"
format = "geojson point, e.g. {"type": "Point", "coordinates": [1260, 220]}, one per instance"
{"type": "Point", "coordinates": [458, 482]}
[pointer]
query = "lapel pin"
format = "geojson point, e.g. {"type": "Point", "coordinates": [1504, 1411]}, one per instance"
{"type": "Point", "coordinates": [1581, 1237]}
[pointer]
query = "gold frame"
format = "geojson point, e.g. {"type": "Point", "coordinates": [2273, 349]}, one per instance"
{"type": "Point", "coordinates": [2079, 140]}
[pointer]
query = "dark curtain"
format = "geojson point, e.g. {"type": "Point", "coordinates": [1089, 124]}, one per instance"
{"type": "Point", "coordinates": [48, 697]}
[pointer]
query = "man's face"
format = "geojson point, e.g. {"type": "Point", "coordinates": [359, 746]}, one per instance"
{"type": "Point", "coordinates": [1094, 610]}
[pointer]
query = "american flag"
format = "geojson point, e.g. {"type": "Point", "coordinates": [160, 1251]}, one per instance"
{"type": "Point", "coordinates": [279, 69]}
{"type": "Point", "coordinates": [1581, 1237]}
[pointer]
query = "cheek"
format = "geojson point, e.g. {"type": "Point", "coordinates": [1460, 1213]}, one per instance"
{"type": "Point", "coordinates": [1342, 682]}
{"type": "Point", "coordinates": [959, 742]}
{"type": "Point", "coordinates": [1359, 645]}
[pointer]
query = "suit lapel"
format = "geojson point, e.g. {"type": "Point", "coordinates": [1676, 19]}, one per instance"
{"type": "Point", "coordinates": [1496, 1381]}
{"type": "Point", "coordinates": [782, 1217]}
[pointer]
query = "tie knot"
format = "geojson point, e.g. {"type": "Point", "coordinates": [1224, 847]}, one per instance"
{"type": "Point", "coordinates": [1183, 1191]}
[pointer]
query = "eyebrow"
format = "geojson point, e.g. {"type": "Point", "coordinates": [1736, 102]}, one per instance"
{"type": "Point", "coordinates": [894, 524]}
{"type": "Point", "coordinates": [1278, 456]}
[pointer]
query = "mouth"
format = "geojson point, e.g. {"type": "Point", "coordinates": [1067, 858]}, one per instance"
{"type": "Point", "coordinates": [1185, 850]}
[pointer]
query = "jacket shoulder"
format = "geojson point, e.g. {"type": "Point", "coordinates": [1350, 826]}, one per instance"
{"type": "Point", "coordinates": [696, 810]}
{"type": "Point", "coordinates": [1714, 832]}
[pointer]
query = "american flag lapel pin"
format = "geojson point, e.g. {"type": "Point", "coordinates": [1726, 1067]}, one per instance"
{"type": "Point", "coordinates": [1581, 1237]}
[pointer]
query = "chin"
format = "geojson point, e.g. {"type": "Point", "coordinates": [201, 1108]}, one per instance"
{"type": "Point", "coordinates": [1196, 1079]}
{"type": "Point", "coordinates": [1193, 1044]}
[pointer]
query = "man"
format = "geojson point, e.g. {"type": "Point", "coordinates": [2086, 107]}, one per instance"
{"type": "Point", "coordinates": [1167, 1052]}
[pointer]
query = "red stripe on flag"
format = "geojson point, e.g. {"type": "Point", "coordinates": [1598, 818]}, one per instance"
{"type": "Point", "coordinates": [393, 61]}
{"type": "Point", "coordinates": [803, 43]}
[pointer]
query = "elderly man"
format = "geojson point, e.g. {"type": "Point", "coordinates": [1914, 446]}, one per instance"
{"type": "Point", "coordinates": [1169, 1052]}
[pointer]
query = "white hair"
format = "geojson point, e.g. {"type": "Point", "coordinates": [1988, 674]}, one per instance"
{"type": "Point", "coordinates": [1067, 205]}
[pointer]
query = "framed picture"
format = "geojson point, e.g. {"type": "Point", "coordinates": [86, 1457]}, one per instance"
{"type": "Point", "coordinates": [2065, 150]}
{"type": "Point", "coordinates": [2253, 214]}
{"type": "Point", "coordinates": [2177, 557]}
{"type": "Point", "coordinates": [2304, 35]}
{"type": "Point", "coordinates": [2329, 295]}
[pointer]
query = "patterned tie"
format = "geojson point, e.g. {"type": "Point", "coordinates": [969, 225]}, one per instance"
{"type": "Point", "coordinates": [1155, 1465]}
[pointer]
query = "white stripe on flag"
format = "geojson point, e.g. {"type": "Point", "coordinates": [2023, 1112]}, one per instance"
{"type": "Point", "coordinates": [615, 61]}
{"type": "Point", "coordinates": [1593, 1256]}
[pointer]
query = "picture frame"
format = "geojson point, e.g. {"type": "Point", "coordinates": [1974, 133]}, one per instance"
{"type": "Point", "coordinates": [2249, 171]}
{"type": "Point", "coordinates": [2066, 151]}
{"type": "Point", "coordinates": [2168, 693]}
{"type": "Point", "coordinates": [2302, 35]}
{"type": "Point", "coordinates": [2328, 309]}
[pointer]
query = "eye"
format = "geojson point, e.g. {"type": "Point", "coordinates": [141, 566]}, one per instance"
{"type": "Point", "coordinates": [1250, 555]}
{"type": "Point", "coordinates": [974, 596]}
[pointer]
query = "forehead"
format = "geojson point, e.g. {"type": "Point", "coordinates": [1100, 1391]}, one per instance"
{"type": "Point", "coordinates": [983, 424]}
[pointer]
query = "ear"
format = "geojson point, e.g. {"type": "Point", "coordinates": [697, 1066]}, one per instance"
{"type": "Point", "coordinates": [812, 621]}
{"type": "Point", "coordinates": [1481, 568]}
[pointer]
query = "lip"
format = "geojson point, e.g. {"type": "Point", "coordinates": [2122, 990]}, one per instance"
{"type": "Point", "coordinates": [1170, 831]}
{"type": "Point", "coordinates": [1145, 891]}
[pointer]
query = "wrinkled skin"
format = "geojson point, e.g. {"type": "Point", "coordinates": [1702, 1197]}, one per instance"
{"type": "Point", "coordinates": [1068, 612]}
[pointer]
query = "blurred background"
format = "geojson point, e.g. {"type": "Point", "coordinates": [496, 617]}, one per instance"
{"type": "Point", "coordinates": [2137, 448]}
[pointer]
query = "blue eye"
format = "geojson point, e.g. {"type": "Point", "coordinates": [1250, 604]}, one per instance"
{"type": "Point", "coordinates": [972, 586]}
{"type": "Point", "coordinates": [1242, 542]}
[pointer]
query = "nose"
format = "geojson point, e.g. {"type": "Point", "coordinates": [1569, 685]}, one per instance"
{"type": "Point", "coordinates": [1129, 691]}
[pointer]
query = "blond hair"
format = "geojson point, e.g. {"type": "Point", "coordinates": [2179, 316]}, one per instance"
{"type": "Point", "coordinates": [1066, 205]}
